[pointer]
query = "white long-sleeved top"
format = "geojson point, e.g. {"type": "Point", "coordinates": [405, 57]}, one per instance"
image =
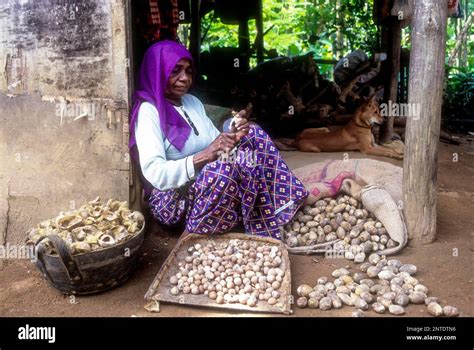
{"type": "Point", "coordinates": [162, 164]}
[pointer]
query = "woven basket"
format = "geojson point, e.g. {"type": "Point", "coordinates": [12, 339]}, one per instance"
{"type": "Point", "coordinates": [90, 272]}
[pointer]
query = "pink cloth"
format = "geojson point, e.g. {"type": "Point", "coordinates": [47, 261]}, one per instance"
{"type": "Point", "coordinates": [325, 179]}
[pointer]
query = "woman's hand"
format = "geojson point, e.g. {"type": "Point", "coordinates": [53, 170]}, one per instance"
{"type": "Point", "coordinates": [226, 141]}
{"type": "Point", "coordinates": [241, 124]}
{"type": "Point", "coordinates": [223, 143]}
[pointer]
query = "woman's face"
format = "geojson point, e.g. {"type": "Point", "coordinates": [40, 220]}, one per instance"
{"type": "Point", "coordinates": [180, 79]}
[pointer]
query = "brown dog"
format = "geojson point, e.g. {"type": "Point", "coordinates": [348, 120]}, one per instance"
{"type": "Point", "coordinates": [354, 136]}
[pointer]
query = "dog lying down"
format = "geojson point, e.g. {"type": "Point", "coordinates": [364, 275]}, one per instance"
{"type": "Point", "coordinates": [354, 136]}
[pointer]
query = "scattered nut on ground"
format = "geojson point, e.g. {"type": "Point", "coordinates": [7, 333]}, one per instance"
{"type": "Point", "coordinates": [382, 285]}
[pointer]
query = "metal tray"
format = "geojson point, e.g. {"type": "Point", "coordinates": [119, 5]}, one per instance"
{"type": "Point", "coordinates": [159, 289]}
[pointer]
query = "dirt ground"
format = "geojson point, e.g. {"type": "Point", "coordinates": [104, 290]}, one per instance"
{"type": "Point", "coordinates": [23, 292]}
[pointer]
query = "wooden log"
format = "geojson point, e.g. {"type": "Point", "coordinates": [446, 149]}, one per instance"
{"type": "Point", "coordinates": [259, 25]}
{"type": "Point", "coordinates": [244, 44]}
{"type": "Point", "coordinates": [381, 11]}
{"type": "Point", "coordinates": [195, 44]}
{"type": "Point", "coordinates": [422, 132]}
{"type": "Point", "coordinates": [286, 93]}
{"type": "Point", "coordinates": [403, 10]}
{"type": "Point", "coordinates": [339, 43]}
{"type": "Point", "coordinates": [395, 33]}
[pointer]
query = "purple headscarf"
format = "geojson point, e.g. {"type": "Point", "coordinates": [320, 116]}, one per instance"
{"type": "Point", "coordinates": [159, 61]}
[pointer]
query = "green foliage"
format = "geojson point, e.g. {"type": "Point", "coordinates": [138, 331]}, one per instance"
{"type": "Point", "coordinates": [333, 28]}
{"type": "Point", "coordinates": [218, 34]}
{"type": "Point", "coordinates": [451, 37]}
{"type": "Point", "coordinates": [329, 30]}
{"type": "Point", "coordinates": [300, 26]}
{"type": "Point", "coordinates": [313, 25]}
{"type": "Point", "coordinates": [459, 93]}
{"type": "Point", "coordinates": [458, 99]}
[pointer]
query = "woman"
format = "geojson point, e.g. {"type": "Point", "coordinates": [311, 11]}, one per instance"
{"type": "Point", "coordinates": [182, 156]}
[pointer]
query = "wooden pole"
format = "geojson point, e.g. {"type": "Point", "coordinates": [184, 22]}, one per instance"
{"type": "Point", "coordinates": [340, 24]}
{"type": "Point", "coordinates": [422, 132]}
{"type": "Point", "coordinates": [465, 39]}
{"type": "Point", "coordinates": [259, 25]}
{"type": "Point", "coordinates": [394, 50]}
{"type": "Point", "coordinates": [195, 44]}
{"type": "Point", "coordinates": [244, 44]}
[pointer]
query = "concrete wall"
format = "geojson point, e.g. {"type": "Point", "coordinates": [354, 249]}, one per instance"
{"type": "Point", "coordinates": [64, 87]}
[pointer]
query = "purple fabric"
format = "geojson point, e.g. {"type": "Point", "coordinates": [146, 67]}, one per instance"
{"type": "Point", "coordinates": [256, 187]}
{"type": "Point", "coordinates": [157, 64]}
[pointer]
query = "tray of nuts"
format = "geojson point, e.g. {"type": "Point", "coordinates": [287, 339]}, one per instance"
{"type": "Point", "coordinates": [231, 271]}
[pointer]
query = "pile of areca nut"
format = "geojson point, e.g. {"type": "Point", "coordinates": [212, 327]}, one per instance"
{"type": "Point", "coordinates": [246, 273]}
{"type": "Point", "coordinates": [338, 224]}
{"type": "Point", "coordinates": [380, 285]}
{"type": "Point", "coordinates": [233, 272]}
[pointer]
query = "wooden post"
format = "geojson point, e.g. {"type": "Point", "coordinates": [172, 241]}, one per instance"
{"type": "Point", "coordinates": [244, 44]}
{"type": "Point", "coordinates": [422, 132]}
{"type": "Point", "coordinates": [340, 24]}
{"type": "Point", "coordinates": [394, 49]}
{"type": "Point", "coordinates": [195, 44]}
{"type": "Point", "coordinates": [259, 25]}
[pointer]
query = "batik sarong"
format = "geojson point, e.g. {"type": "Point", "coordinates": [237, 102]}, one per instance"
{"type": "Point", "coordinates": [250, 185]}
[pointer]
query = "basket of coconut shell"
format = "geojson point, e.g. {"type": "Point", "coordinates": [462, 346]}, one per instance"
{"type": "Point", "coordinates": [231, 271]}
{"type": "Point", "coordinates": [90, 249]}
{"type": "Point", "coordinates": [357, 222]}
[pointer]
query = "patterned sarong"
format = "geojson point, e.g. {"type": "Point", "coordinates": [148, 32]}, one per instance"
{"type": "Point", "coordinates": [252, 185]}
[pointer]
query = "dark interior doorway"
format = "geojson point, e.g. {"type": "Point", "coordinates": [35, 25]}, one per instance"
{"type": "Point", "coordinates": [217, 71]}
